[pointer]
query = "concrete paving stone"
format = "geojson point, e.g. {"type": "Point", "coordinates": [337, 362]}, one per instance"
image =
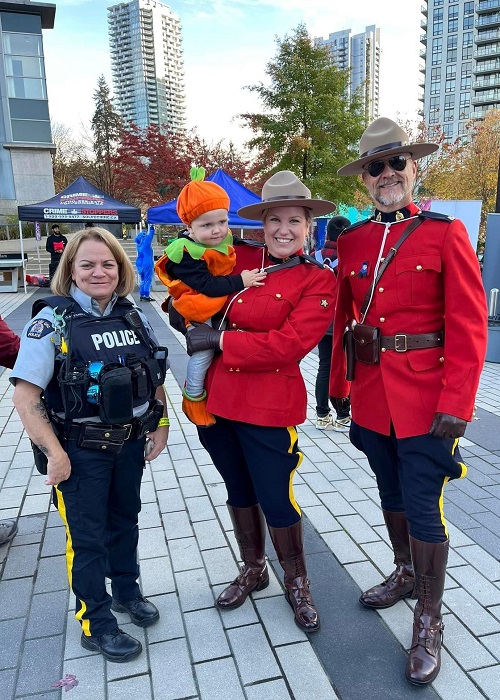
{"type": "Point", "coordinates": [457, 537]}
{"type": "Point", "coordinates": [170, 625]}
{"type": "Point", "coordinates": [12, 497]}
{"type": "Point", "coordinates": [170, 500]}
{"type": "Point", "coordinates": [206, 636]}
{"type": "Point", "coordinates": [343, 547]}
{"type": "Point", "coordinates": [305, 496]}
{"type": "Point", "coordinates": [35, 674]}
{"type": "Point", "coordinates": [148, 493]}
{"type": "Point", "coordinates": [271, 690]}
{"type": "Point", "coordinates": [373, 495]}
{"type": "Point", "coordinates": [162, 462]}
{"type": "Point", "coordinates": [482, 561]}
{"type": "Point", "coordinates": [314, 454]}
{"type": "Point", "coordinates": [217, 493]}
{"type": "Point", "coordinates": [185, 467]}
{"type": "Point", "coordinates": [465, 502]}
{"type": "Point", "coordinates": [464, 647]}
{"type": "Point", "coordinates": [350, 491]}
{"type": "Point", "coordinates": [47, 616]}
{"type": "Point", "coordinates": [454, 558]}
{"type": "Point", "coordinates": [209, 534]}
{"type": "Point", "coordinates": [90, 673]}
{"type": "Point", "coordinates": [179, 452]}
{"type": "Point", "coordinates": [184, 554]}
{"type": "Point", "coordinates": [192, 486]}
{"type": "Point", "coordinates": [7, 684]}
{"type": "Point", "coordinates": [477, 585]}
{"type": "Point", "coordinates": [253, 666]}
{"type": "Point", "coordinates": [15, 598]}
{"type": "Point", "coordinates": [36, 485]}
{"type": "Point", "coordinates": [468, 487]}
{"type": "Point", "coordinates": [8, 439]}
{"type": "Point", "coordinates": [381, 555]}
{"type": "Point", "coordinates": [177, 525]}
{"type": "Point", "coordinates": [35, 504]}
{"type": "Point", "coordinates": [200, 508]}
{"type": "Point", "coordinates": [480, 479]}
{"type": "Point", "coordinates": [54, 540]}
{"type": "Point", "coordinates": [488, 679]}
{"type": "Point", "coordinates": [492, 643]}
{"type": "Point", "coordinates": [336, 503]}
{"type": "Point", "coordinates": [370, 512]}
{"type": "Point", "coordinates": [51, 575]}
{"type": "Point", "coordinates": [493, 491]}
{"type": "Point", "coordinates": [489, 520]}
{"type": "Point", "coordinates": [166, 479]}
{"type": "Point", "coordinates": [11, 639]}
{"type": "Point", "coordinates": [8, 453]}
{"type": "Point", "coordinates": [171, 670]}
{"type": "Point", "coordinates": [477, 450]}
{"type": "Point", "coordinates": [73, 649]}
{"type": "Point", "coordinates": [364, 573]}
{"type": "Point", "coordinates": [246, 614]}
{"type": "Point", "coordinates": [453, 683]}
{"type": "Point", "coordinates": [201, 457]}
{"type": "Point", "coordinates": [224, 518]}
{"type": "Point", "coordinates": [215, 677]}
{"type": "Point", "coordinates": [321, 519]}
{"type": "Point", "coordinates": [135, 688]}
{"type": "Point", "coordinates": [157, 577]}
{"type": "Point", "coordinates": [399, 619]}
{"type": "Point", "coordinates": [484, 465]}
{"type": "Point", "coordinates": [304, 673]}
{"type": "Point", "coordinates": [468, 610]}
{"type": "Point", "coordinates": [486, 539]}
{"type": "Point", "coordinates": [149, 515]}
{"type": "Point", "coordinates": [318, 483]}
{"type": "Point", "coordinates": [17, 477]}
{"type": "Point", "coordinates": [9, 513]}
{"type": "Point", "coordinates": [459, 517]}
{"type": "Point", "coordinates": [220, 564]}
{"type": "Point", "coordinates": [152, 543]}
{"type": "Point", "coordinates": [331, 472]}
{"type": "Point", "coordinates": [53, 517]}
{"type": "Point", "coordinates": [22, 561]}
{"type": "Point", "coordinates": [343, 461]}
{"type": "Point", "coordinates": [209, 474]}
{"type": "Point", "coordinates": [358, 528]}
{"type": "Point", "coordinates": [277, 618]}
{"type": "Point", "coordinates": [491, 504]}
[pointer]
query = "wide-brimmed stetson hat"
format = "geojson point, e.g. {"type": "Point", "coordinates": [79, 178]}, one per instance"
{"type": "Point", "coordinates": [384, 138]}
{"type": "Point", "coordinates": [284, 189]}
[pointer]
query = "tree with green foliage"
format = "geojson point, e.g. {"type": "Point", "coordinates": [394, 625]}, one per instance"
{"type": "Point", "coordinates": [309, 125]}
{"type": "Point", "coordinates": [106, 130]}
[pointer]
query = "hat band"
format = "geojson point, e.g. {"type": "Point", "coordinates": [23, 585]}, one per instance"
{"type": "Point", "coordinates": [285, 196]}
{"type": "Point", "coordinates": [385, 147]}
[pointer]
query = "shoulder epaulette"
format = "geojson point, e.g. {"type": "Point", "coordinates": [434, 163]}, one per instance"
{"type": "Point", "coordinates": [310, 259]}
{"type": "Point", "coordinates": [436, 216]}
{"type": "Point", "coordinates": [248, 241]}
{"type": "Point", "coordinates": [356, 225]}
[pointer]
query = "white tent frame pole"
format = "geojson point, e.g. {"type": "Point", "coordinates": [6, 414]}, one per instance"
{"type": "Point", "coordinates": [22, 256]}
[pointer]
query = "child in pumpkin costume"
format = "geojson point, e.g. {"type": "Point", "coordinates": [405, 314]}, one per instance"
{"type": "Point", "coordinates": [196, 269]}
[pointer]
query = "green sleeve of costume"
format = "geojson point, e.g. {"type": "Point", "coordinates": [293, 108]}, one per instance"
{"type": "Point", "coordinates": [175, 250]}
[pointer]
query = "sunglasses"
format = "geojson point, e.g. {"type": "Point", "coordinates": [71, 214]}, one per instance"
{"type": "Point", "coordinates": [377, 167]}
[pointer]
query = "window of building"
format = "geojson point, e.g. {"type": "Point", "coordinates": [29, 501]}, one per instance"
{"type": "Point", "coordinates": [451, 56]}
{"type": "Point", "coordinates": [448, 131]}
{"type": "Point", "coordinates": [464, 99]}
{"type": "Point", "coordinates": [467, 68]}
{"type": "Point", "coordinates": [465, 82]}
{"type": "Point", "coordinates": [437, 51]}
{"type": "Point", "coordinates": [450, 85]}
{"type": "Point", "coordinates": [437, 28]}
{"type": "Point", "coordinates": [462, 128]}
{"type": "Point", "coordinates": [466, 52]}
{"type": "Point", "coordinates": [467, 39]}
{"type": "Point", "coordinates": [436, 73]}
{"type": "Point", "coordinates": [435, 87]}
{"type": "Point", "coordinates": [453, 12]}
{"type": "Point", "coordinates": [452, 25]}
{"type": "Point", "coordinates": [468, 8]}
{"type": "Point", "coordinates": [437, 15]}
{"type": "Point", "coordinates": [451, 72]}
{"type": "Point", "coordinates": [468, 22]}
{"type": "Point", "coordinates": [22, 44]}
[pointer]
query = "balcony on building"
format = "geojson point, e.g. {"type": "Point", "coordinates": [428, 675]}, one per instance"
{"type": "Point", "coordinates": [423, 24]}
{"type": "Point", "coordinates": [490, 81]}
{"type": "Point", "coordinates": [421, 68]}
{"type": "Point", "coordinates": [484, 21]}
{"type": "Point", "coordinates": [491, 50]}
{"type": "Point", "coordinates": [482, 67]}
{"type": "Point", "coordinates": [423, 53]}
{"type": "Point", "coordinates": [485, 37]}
{"type": "Point", "coordinates": [487, 6]}
{"type": "Point", "coordinates": [423, 38]}
{"type": "Point", "coordinates": [423, 10]}
{"type": "Point", "coordinates": [486, 97]}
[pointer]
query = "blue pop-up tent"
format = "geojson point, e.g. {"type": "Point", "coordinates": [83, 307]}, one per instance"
{"type": "Point", "coordinates": [239, 196]}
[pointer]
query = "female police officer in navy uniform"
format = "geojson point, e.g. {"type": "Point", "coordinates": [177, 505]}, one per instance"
{"type": "Point", "coordinates": [96, 362]}
{"type": "Point", "coordinates": [257, 394]}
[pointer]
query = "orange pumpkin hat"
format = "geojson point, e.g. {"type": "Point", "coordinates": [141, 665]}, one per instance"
{"type": "Point", "coordinates": [200, 196]}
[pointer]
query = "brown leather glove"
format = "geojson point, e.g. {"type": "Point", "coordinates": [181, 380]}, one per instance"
{"type": "Point", "coordinates": [202, 337]}
{"type": "Point", "coordinates": [447, 426]}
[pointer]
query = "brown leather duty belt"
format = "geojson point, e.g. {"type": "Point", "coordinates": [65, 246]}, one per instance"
{"type": "Point", "coordinates": [401, 342]}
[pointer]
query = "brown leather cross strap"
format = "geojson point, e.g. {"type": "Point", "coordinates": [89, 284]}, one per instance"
{"type": "Point", "coordinates": [401, 342]}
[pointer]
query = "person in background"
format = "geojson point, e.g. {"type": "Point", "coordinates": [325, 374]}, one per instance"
{"type": "Point", "coordinates": [55, 245]}
{"type": "Point", "coordinates": [324, 418]}
{"type": "Point", "coordinates": [419, 330]}
{"type": "Point", "coordinates": [257, 394]}
{"type": "Point", "coordinates": [9, 347]}
{"type": "Point", "coordinates": [145, 262]}
{"type": "Point", "coordinates": [89, 390]}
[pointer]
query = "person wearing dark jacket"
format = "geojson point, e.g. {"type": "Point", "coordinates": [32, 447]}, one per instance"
{"type": "Point", "coordinates": [324, 417]}
{"type": "Point", "coordinates": [56, 243]}
{"type": "Point", "coordinates": [9, 347]}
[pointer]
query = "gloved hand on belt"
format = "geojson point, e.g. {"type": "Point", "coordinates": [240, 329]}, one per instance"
{"type": "Point", "coordinates": [445, 425]}
{"type": "Point", "coordinates": [202, 337]}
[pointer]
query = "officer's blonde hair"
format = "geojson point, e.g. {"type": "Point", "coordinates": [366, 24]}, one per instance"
{"type": "Point", "coordinates": [62, 280]}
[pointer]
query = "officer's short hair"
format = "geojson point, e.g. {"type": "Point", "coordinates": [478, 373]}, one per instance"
{"type": "Point", "coordinates": [62, 281]}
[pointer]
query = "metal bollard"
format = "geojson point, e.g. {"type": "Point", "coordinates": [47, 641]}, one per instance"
{"type": "Point", "coordinates": [492, 305]}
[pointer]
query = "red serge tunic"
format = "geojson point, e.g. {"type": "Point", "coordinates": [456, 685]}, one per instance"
{"type": "Point", "coordinates": [433, 283]}
{"type": "Point", "coordinates": [257, 378]}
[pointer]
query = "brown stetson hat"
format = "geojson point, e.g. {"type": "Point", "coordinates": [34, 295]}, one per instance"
{"type": "Point", "coordinates": [383, 138]}
{"type": "Point", "coordinates": [284, 189]}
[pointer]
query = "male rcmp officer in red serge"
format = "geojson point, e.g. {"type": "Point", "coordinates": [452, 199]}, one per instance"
{"type": "Point", "coordinates": [412, 403]}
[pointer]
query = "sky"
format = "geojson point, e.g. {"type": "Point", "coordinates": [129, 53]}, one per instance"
{"type": "Point", "coordinates": [227, 44]}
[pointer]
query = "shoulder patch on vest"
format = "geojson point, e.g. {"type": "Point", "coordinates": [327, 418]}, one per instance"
{"type": "Point", "coordinates": [436, 216]}
{"type": "Point", "coordinates": [39, 329]}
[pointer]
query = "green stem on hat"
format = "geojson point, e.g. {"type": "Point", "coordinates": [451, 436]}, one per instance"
{"type": "Point", "coordinates": [197, 173]}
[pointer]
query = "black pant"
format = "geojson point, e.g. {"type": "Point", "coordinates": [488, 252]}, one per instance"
{"type": "Point", "coordinates": [257, 464]}
{"type": "Point", "coordinates": [411, 475]}
{"type": "Point", "coordinates": [53, 265]}
{"type": "Point", "coordinates": [342, 407]}
{"type": "Point", "coordinates": [100, 505]}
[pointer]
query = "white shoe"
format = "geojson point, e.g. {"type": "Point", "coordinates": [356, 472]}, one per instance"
{"type": "Point", "coordinates": [342, 425]}
{"type": "Point", "coordinates": [323, 422]}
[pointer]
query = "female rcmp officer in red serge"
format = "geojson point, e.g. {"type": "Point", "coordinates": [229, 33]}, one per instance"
{"type": "Point", "coordinates": [411, 403]}
{"type": "Point", "coordinates": [257, 394]}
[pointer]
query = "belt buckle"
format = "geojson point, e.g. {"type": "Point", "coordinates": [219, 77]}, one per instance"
{"type": "Point", "coordinates": [129, 430]}
{"type": "Point", "coordinates": [400, 338]}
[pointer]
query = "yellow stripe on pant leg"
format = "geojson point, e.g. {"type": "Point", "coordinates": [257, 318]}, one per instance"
{"type": "Point", "coordinates": [441, 505]}
{"type": "Point", "coordinates": [462, 465]}
{"type": "Point", "coordinates": [70, 555]}
{"type": "Point", "coordinates": [293, 441]}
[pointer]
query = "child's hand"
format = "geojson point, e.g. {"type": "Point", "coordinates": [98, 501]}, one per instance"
{"type": "Point", "coordinates": [253, 278]}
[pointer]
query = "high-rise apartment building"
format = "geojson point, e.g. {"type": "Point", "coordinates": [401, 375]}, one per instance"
{"type": "Point", "coordinates": [361, 54]}
{"type": "Point", "coordinates": [147, 63]}
{"type": "Point", "coordinates": [462, 62]}
{"type": "Point", "coordinates": [25, 135]}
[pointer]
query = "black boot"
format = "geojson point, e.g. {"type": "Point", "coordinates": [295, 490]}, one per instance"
{"type": "Point", "coordinates": [400, 583]}
{"type": "Point", "coordinates": [429, 561]}
{"type": "Point", "coordinates": [289, 545]}
{"type": "Point", "coordinates": [116, 646]}
{"type": "Point", "coordinates": [250, 533]}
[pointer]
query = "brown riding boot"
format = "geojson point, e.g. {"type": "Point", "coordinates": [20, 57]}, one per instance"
{"type": "Point", "coordinates": [429, 561]}
{"type": "Point", "coordinates": [289, 545]}
{"type": "Point", "coordinates": [250, 532]}
{"type": "Point", "coordinates": [401, 582]}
